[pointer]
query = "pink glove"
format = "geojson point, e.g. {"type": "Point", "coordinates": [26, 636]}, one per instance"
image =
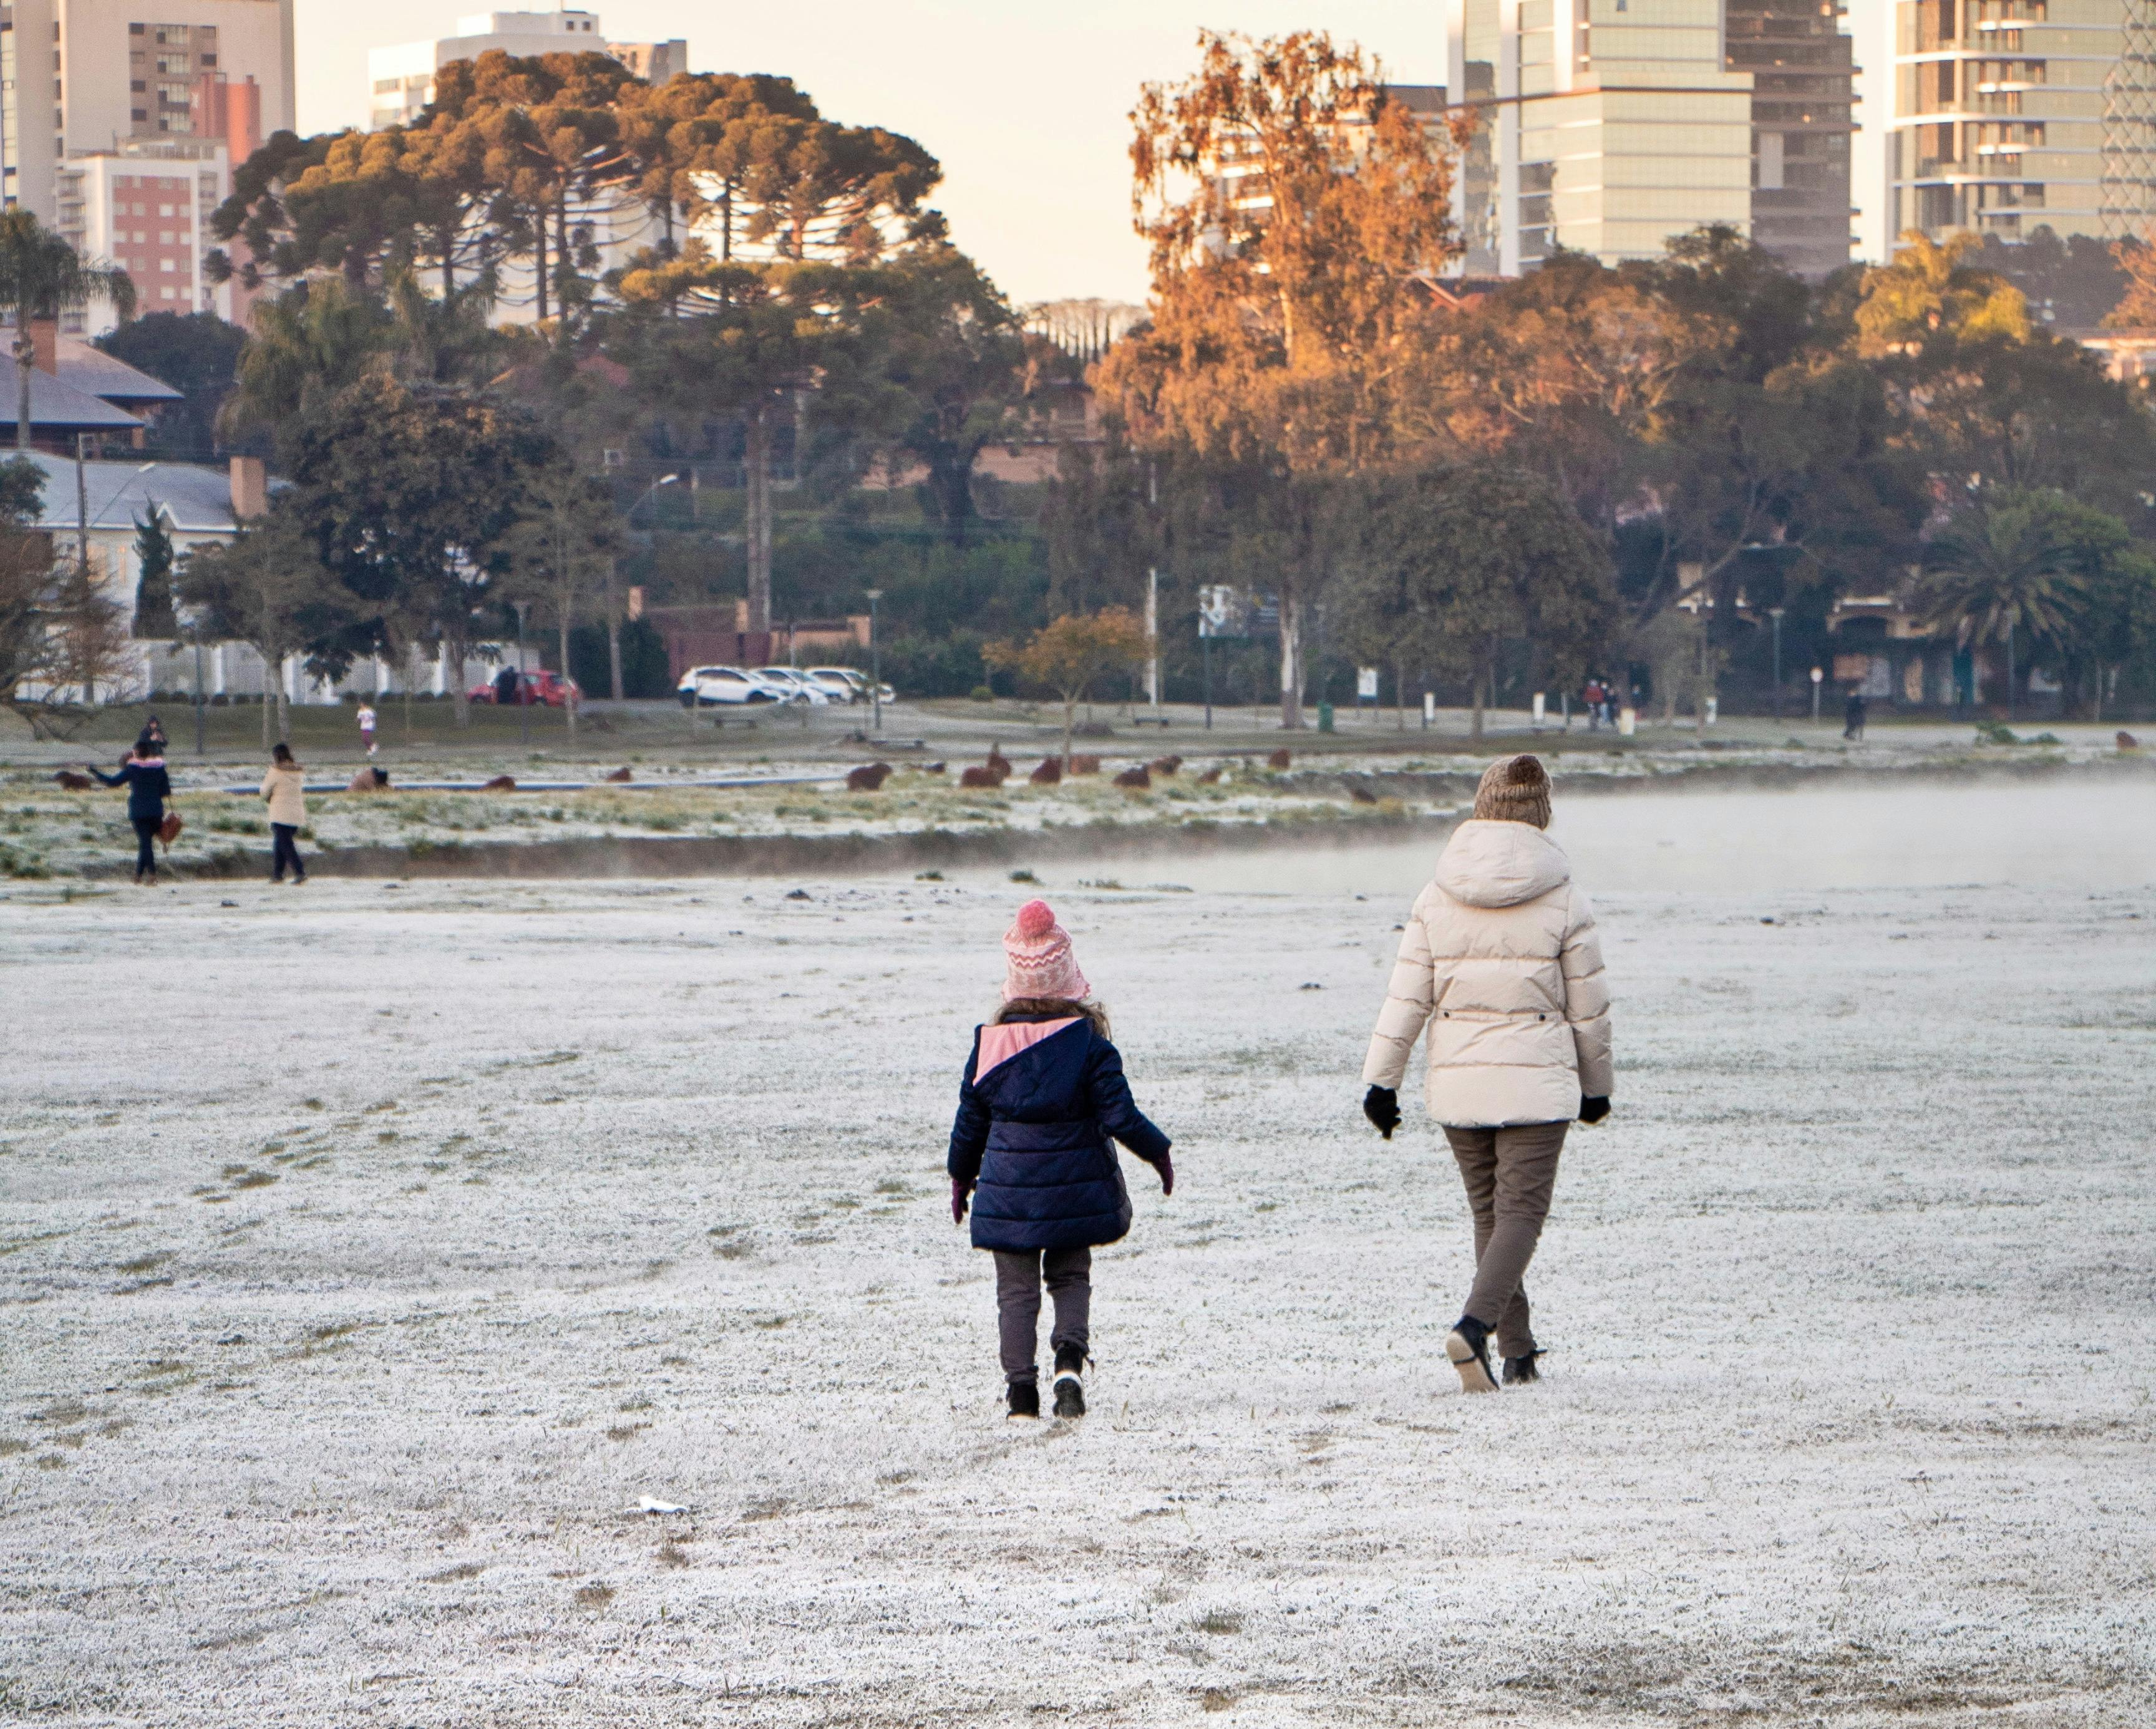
{"type": "Point", "coordinates": [960, 1189]}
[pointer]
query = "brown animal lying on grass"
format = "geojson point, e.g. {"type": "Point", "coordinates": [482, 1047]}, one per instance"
{"type": "Point", "coordinates": [1084, 765]}
{"type": "Point", "coordinates": [82, 782]}
{"type": "Point", "coordinates": [998, 764]}
{"type": "Point", "coordinates": [1050, 773]}
{"type": "Point", "coordinates": [2127, 742]}
{"type": "Point", "coordinates": [1166, 766]}
{"type": "Point", "coordinates": [1134, 777]}
{"type": "Point", "coordinates": [621, 775]}
{"type": "Point", "coordinates": [369, 780]}
{"type": "Point", "coordinates": [1279, 759]}
{"type": "Point", "coordinates": [501, 783]}
{"type": "Point", "coordinates": [980, 779]}
{"type": "Point", "coordinates": [1212, 775]}
{"type": "Point", "coordinates": [869, 777]}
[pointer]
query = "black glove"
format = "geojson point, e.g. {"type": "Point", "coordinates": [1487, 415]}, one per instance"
{"type": "Point", "coordinates": [1382, 1105]}
{"type": "Point", "coordinates": [1593, 1110]}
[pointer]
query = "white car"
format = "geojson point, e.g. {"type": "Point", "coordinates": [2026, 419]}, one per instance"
{"type": "Point", "coordinates": [856, 681]}
{"type": "Point", "coordinates": [792, 679]}
{"type": "Point", "coordinates": [713, 686]}
{"type": "Point", "coordinates": [836, 686]}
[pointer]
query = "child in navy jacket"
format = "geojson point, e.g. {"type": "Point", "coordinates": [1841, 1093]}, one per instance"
{"type": "Point", "coordinates": [1043, 1099]}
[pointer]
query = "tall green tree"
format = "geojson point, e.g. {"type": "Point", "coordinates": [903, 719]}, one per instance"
{"type": "Point", "coordinates": [197, 354]}
{"type": "Point", "coordinates": [42, 276]}
{"type": "Point", "coordinates": [407, 496]}
{"type": "Point", "coordinates": [153, 588]}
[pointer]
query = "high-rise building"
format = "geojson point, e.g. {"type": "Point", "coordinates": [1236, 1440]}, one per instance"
{"type": "Point", "coordinates": [402, 79]}
{"type": "Point", "coordinates": [1803, 82]}
{"type": "Point", "coordinates": [122, 71]}
{"type": "Point", "coordinates": [146, 207]}
{"type": "Point", "coordinates": [2015, 115]}
{"type": "Point", "coordinates": [1608, 126]}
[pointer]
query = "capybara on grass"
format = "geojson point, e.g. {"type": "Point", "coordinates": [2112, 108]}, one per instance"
{"type": "Point", "coordinates": [869, 777]}
{"type": "Point", "coordinates": [1279, 759]}
{"type": "Point", "coordinates": [1134, 777]}
{"type": "Point", "coordinates": [82, 782]}
{"type": "Point", "coordinates": [621, 775]}
{"type": "Point", "coordinates": [501, 783]}
{"type": "Point", "coordinates": [1166, 766]}
{"type": "Point", "coordinates": [985, 780]}
{"type": "Point", "coordinates": [1050, 773]}
{"type": "Point", "coordinates": [1085, 765]}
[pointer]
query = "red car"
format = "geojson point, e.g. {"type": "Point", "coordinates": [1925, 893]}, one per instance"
{"type": "Point", "coordinates": [534, 690]}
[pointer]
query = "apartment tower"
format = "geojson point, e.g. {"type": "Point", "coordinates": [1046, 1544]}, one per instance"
{"type": "Point", "coordinates": [79, 78]}
{"type": "Point", "coordinates": [2015, 115]}
{"type": "Point", "coordinates": [1608, 126]}
{"type": "Point", "coordinates": [1803, 86]}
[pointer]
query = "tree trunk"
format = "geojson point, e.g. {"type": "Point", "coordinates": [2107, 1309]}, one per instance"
{"type": "Point", "coordinates": [1290, 662]}
{"type": "Point", "coordinates": [25, 363]}
{"type": "Point", "coordinates": [456, 679]}
{"type": "Point", "coordinates": [411, 679]}
{"type": "Point", "coordinates": [613, 632]}
{"type": "Point", "coordinates": [1069, 725]}
{"type": "Point", "coordinates": [269, 700]}
{"type": "Point", "coordinates": [1400, 696]}
{"type": "Point", "coordinates": [758, 525]}
{"type": "Point", "coordinates": [539, 265]}
{"type": "Point", "coordinates": [1482, 685]}
{"type": "Point", "coordinates": [568, 701]}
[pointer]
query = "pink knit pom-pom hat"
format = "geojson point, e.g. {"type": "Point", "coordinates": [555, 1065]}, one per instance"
{"type": "Point", "coordinates": [1037, 958]}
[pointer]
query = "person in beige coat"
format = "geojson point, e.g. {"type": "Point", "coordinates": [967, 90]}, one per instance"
{"type": "Point", "coordinates": [1500, 963]}
{"type": "Point", "coordinates": [284, 789]}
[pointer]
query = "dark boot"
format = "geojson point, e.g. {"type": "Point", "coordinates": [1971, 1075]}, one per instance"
{"type": "Point", "coordinates": [1069, 1381]}
{"type": "Point", "coordinates": [1521, 1370]}
{"type": "Point", "coordinates": [1024, 1398]}
{"type": "Point", "coordinates": [1467, 1346]}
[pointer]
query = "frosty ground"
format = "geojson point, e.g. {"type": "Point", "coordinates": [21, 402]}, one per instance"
{"type": "Point", "coordinates": [370, 1253]}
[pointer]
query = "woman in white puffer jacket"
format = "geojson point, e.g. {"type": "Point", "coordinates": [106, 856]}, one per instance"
{"type": "Point", "coordinates": [1500, 961]}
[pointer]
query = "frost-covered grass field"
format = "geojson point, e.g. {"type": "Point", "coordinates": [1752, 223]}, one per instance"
{"type": "Point", "coordinates": [368, 1254]}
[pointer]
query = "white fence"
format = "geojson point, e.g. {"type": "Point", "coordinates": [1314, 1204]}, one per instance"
{"type": "Point", "coordinates": [234, 670]}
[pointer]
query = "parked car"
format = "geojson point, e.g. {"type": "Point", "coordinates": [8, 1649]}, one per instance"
{"type": "Point", "coordinates": [836, 686]}
{"type": "Point", "coordinates": [534, 689]}
{"type": "Point", "coordinates": [729, 686]}
{"type": "Point", "coordinates": [854, 680]}
{"type": "Point", "coordinates": [793, 679]}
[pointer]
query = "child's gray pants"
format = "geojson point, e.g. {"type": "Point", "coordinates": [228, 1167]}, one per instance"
{"type": "Point", "coordinates": [1020, 1274]}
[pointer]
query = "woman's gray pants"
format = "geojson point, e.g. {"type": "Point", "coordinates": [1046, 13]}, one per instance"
{"type": "Point", "coordinates": [1510, 1175]}
{"type": "Point", "coordinates": [1020, 1274]}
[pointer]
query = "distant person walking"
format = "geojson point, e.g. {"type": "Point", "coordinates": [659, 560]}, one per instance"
{"type": "Point", "coordinates": [1592, 695]}
{"type": "Point", "coordinates": [508, 687]}
{"type": "Point", "coordinates": [1852, 716]}
{"type": "Point", "coordinates": [153, 735]}
{"type": "Point", "coordinates": [367, 728]}
{"type": "Point", "coordinates": [1042, 1100]}
{"type": "Point", "coordinates": [284, 789]}
{"type": "Point", "coordinates": [149, 787]}
{"type": "Point", "coordinates": [1500, 961]}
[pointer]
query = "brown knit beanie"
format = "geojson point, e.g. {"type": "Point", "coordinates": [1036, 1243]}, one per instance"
{"type": "Point", "coordinates": [1514, 789]}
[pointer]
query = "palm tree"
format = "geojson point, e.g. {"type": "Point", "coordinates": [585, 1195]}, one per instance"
{"type": "Point", "coordinates": [42, 276]}
{"type": "Point", "coordinates": [2015, 564]}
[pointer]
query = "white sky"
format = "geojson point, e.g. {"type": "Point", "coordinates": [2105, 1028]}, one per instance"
{"type": "Point", "coordinates": [1025, 103]}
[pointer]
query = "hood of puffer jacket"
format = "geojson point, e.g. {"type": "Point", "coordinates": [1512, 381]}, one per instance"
{"type": "Point", "coordinates": [1501, 863]}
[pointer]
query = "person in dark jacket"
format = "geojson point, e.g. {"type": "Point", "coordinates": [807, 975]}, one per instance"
{"type": "Point", "coordinates": [1853, 717]}
{"type": "Point", "coordinates": [148, 788]}
{"type": "Point", "coordinates": [1043, 1099]}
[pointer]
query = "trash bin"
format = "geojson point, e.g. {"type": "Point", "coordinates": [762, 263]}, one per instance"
{"type": "Point", "coordinates": [1324, 717]}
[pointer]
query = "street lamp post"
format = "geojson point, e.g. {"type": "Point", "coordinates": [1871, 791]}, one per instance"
{"type": "Point", "coordinates": [1775, 614]}
{"type": "Point", "coordinates": [876, 667]}
{"type": "Point", "coordinates": [644, 497]}
{"type": "Point", "coordinates": [1819, 677]}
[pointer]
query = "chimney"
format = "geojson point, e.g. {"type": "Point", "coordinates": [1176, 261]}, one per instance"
{"type": "Point", "coordinates": [251, 488]}
{"type": "Point", "coordinates": [45, 345]}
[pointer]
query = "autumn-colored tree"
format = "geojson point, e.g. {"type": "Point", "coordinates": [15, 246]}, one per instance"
{"type": "Point", "coordinates": [1296, 211]}
{"type": "Point", "coordinates": [1072, 654]}
{"type": "Point", "coordinates": [1929, 295]}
